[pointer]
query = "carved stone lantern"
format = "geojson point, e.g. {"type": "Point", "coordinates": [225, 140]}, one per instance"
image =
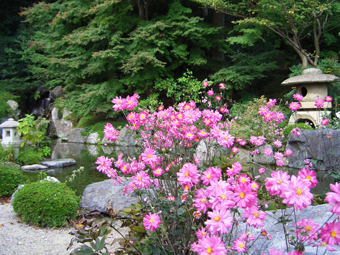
{"type": "Point", "coordinates": [10, 134]}
{"type": "Point", "coordinates": [312, 84]}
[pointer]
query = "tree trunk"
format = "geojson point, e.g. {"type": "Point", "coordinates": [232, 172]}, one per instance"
{"type": "Point", "coordinates": [141, 9]}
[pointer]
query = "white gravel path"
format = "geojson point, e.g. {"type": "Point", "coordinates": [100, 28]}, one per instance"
{"type": "Point", "coordinates": [20, 238]}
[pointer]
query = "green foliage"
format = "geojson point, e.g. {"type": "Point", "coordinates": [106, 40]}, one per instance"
{"type": "Point", "coordinates": [289, 128]}
{"type": "Point", "coordinates": [184, 89]}
{"type": "Point", "coordinates": [89, 121]}
{"type": "Point", "coordinates": [32, 131]}
{"type": "Point", "coordinates": [249, 123]}
{"type": "Point", "coordinates": [29, 155]}
{"type": "Point", "coordinates": [10, 178]}
{"type": "Point", "coordinates": [46, 203]}
{"type": "Point", "coordinates": [95, 235]}
{"type": "Point", "coordinates": [5, 110]}
{"type": "Point", "coordinates": [246, 69]}
{"type": "Point", "coordinates": [97, 50]}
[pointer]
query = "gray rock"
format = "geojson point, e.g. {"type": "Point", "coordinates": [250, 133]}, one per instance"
{"type": "Point", "coordinates": [66, 113]}
{"type": "Point", "coordinates": [56, 92]}
{"type": "Point", "coordinates": [263, 159]}
{"type": "Point", "coordinates": [92, 149]}
{"type": "Point", "coordinates": [14, 105]}
{"type": "Point", "coordinates": [323, 144]}
{"type": "Point", "coordinates": [33, 167]}
{"type": "Point", "coordinates": [97, 195]}
{"type": "Point", "coordinates": [51, 179]}
{"type": "Point", "coordinates": [93, 138]}
{"type": "Point", "coordinates": [244, 155]}
{"type": "Point", "coordinates": [59, 162]}
{"type": "Point", "coordinates": [74, 136]}
{"type": "Point", "coordinates": [319, 214]}
{"type": "Point", "coordinates": [55, 114]}
{"type": "Point", "coordinates": [126, 137]}
{"type": "Point", "coordinates": [63, 127]}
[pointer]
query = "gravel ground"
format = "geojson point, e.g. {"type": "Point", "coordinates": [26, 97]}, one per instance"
{"type": "Point", "coordinates": [20, 238]}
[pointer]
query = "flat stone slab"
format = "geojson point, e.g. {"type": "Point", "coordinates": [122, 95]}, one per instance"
{"type": "Point", "coordinates": [59, 162]}
{"type": "Point", "coordinates": [34, 167]}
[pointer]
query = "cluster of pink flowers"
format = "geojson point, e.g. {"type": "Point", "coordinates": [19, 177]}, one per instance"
{"type": "Point", "coordinates": [215, 193]}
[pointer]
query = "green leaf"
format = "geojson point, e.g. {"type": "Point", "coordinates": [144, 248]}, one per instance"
{"type": "Point", "coordinates": [83, 250]}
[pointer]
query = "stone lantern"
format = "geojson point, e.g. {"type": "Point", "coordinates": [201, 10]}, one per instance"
{"type": "Point", "coordinates": [311, 85]}
{"type": "Point", "coordinates": [10, 134]}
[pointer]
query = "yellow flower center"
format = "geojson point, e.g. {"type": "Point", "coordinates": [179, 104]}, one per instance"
{"type": "Point", "coordinates": [217, 218]}
{"type": "Point", "coordinates": [240, 245]}
{"type": "Point", "coordinates": [149, 155]}
{"type": "Point", "coordinates": [186, 174]}
{"type": "Point", "coordinates": [152, 220]}
{"type": "Point", "coordinates": [223, 196]}
{"type": "Point", "coordinates": [203, 200]}
{"type": "Point", "coordinates": [140, 178]}
{"type": "Point", "coordinates": [241, 195]}
{"type": "Point", "coordinates": [256, 214]}
{"type": "Point", "coordinates": [243, 180]}
{"type": "Point", "coordinates": [308, 228]}
{"type": "Point", "coordinates": [333, 234]}
{"type": "Point", "coordinates": [102, 163]}
{"type": "Point", "coordinates": [324, 244]}
{"type": "Point", "coordinates": [208, 176]}
{"type": "Point", "coordinates": [298, 191]}
{"type": "Point", "coordinates": [309, 178]}
{"type": "Point", "coordinates": [227, 138]}
{"type": "Point", "coordinates": [279, 181]}
{"type": "Point", "coordinates": [203, 233]}
{"type": "Point", "coordinates": [209, 250]}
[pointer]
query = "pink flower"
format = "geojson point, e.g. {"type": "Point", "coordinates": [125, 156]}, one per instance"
{"type": "Point", "coordinates": [272, 251]}
{"type": "Point", "coordinates": [201, 201]}
{"type": "Point", "coordinates": [298, 97]}
{"type": "Point", "coordinates": [221, 86]}
{"type": "Point", "coordinates": [294, 106]}
{"type": "Point", "coordinates": [330, 233]}
{"type": "Point", "coordinates": [110, 132]}
{"type": "Point", "coordinates": [205, 84]}
{"type": "Point", "coordinates": [262, 170]}
{"type": "Point", "coordinates": [188, 175]}
{"type": "Point", "coordinates": [309, 175]}
{"type": "Point", "coordinates": [244, 196]}
{"type": "Point", "coordinates": [277, 143]}
{"type": "Point", "coordinates": [131, 102]}
{"type": "Point", "coordinates": [209, 176]}
{"type": "Point", "coordinates": [104, 163]}
{"type": "Point", "coordinates": [328, 99]}
{"type": "Point", "coordinates": [267, 151]}
{"type": "Point", "coordinates": [297, 193]}
{"type": "Point", "coordinates": [296, 131]}
{"type": "Point", "coordinates": [141, 180]}
{"type": "Point", "coordinates": [220, 221]}
{"type": "Point", "coordinates": [224, 110]}
{"type": "Point", "coordinates": [307, 230]}
{"type": "Point", "coordinates": [333, 198]}
{"type": "Point", "coordinates": [280, 162]}
{"type": "Point", "coordinates": [278, 155]}
{"type": "Point", "coordinates": [234, 149]}
{"type": "Point", "coordinates": [271, 102]}
{"type": "Point", "coordinates": [218, 98]}
{"type": "Point", "coordinates": [151, 221]}
{"type": "Point", "coordinates": [118, 103]}
{"type": "Point", "coordinates": [158, 172]}
{"type": "Point", "coordinates": [263, 110]}
{"type": "Point", "coordinates": [324, 244]}
{"type": "Point", "coordinates": [319, 103]}
{"type": "Point", "coordinates": [149, 156]}
{"type": "Point", "coordinates": [225, 139]}
{"type": "Point", "coordinates": [254, 216]}
{"type": "Point", "coordinates": [197, 214]}
{"type": "Point", "coordinates": [210, 246]}
{"type": "Point", "coordinates": [210, 93]}
{"type": "Point", "coordinates": [239, 245]}
{"type": "Point", "coordinates": [288, 152]}
{"type": "Point", "coordinates": [274, 184]}
{"type": "Point", "coordinates": [324, 122]}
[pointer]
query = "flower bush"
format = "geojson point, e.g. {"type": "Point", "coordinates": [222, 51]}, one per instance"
{"type": "Point", "coordinates": [198, 202]}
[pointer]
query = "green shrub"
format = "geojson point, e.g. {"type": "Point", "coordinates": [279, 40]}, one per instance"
{"type": "Point", "coordinates": [46, 203]}
{"type": "Point", "coordinates": [289, 128]}
{"type": "Point", "coordinates": [89, 121]}
{"type": "Point", "coordinates": [10, 178]}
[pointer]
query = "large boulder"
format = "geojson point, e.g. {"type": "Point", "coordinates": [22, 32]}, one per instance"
{"type": "Point", "coordinates": [97, 195]}
{"type": "Point", "coordinates": [74, 136]}
{"type": "Point", "coordinates": [93, 138]}
{"type": "Point", "coordinates": [322, 144]}
{"type": "Point", "coordinates": [126, 137]}
{"type": "Point", "coordinates": [63, 127]}
{"type": "Point", "coordinates": [59, 162]}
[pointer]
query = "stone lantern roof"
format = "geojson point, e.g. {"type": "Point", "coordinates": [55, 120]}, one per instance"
{"type": "Point", "coordinates": [311, 75]}
{"type": "Point", "coordinates": [10, 123]}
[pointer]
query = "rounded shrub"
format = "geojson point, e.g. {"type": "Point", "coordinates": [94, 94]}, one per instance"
{"type": "Point", "coordinates": [289, 128]}
{"type": "Point", "coordinates": [46, 203]}
{"type": "Point", "coordinates": [10, 178]}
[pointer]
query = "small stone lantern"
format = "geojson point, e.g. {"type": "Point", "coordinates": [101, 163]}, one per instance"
{"type": "Point", "coordinates": [311, 85]}
{"type": "Point", "coordinates": [10, 134]}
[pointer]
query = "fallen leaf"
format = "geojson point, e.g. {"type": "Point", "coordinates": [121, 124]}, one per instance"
{"type": "Point", "coordinates": [12, 222]}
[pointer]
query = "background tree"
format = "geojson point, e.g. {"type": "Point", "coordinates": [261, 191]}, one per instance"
{"type": "Point", "coordinates": [302, 24]}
